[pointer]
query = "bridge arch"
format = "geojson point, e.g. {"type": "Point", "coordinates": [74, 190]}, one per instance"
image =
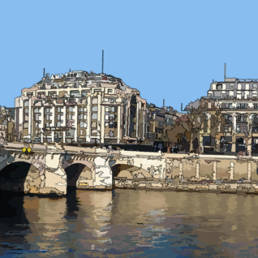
{"type": "Point", "coordinates": [21, 176]}
{"type": "Point", "coordinates": [79, 174]}
{"type": "Point", "coordinates": [129, 171]}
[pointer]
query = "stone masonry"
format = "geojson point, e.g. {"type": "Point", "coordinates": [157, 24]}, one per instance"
{"type": "Point", "coordinates": [105, 169]}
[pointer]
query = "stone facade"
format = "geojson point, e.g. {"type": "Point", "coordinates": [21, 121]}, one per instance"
{"type": "Point", "coordinates": [80, 107]}
{"type": "Point", "coordinates": [236, 129]}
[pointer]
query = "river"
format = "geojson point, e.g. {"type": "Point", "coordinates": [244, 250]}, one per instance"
{"type": "Point", "coordinates": [129, 223]}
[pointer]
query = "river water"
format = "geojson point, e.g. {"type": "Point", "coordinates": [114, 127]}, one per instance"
{"type": "Point", "coordinates": [129, 223]}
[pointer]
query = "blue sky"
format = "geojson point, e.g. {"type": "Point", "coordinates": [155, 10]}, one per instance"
{"type": "Point", "coordinates": [166, 49]}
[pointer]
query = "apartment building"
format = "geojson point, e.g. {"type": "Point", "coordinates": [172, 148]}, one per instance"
{"type": "Point", "coordinates": [237, 128]}
{"type": "Point", "coordinates": [160, 119]}
{"type": "Point", "coordinates": [80, 107]}
{"type": "Point", "coordinates": [7, 124]}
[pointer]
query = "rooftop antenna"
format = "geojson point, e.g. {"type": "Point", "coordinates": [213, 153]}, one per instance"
{"type": "Point", "coordinates": [225, 71]}
{"type": "Point", "coordinates": [102, 64]}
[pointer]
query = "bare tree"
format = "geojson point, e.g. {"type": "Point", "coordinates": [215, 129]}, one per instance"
{"type": "Point", "coordinates": [199, 118]}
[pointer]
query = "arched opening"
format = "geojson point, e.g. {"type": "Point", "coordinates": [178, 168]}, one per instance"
{"type": "Point", "coordinates": [20, 177]}
{"type": "Point", "coordinates": [125, 175]}
{"type": "Point", "coordinates": [78, 176]}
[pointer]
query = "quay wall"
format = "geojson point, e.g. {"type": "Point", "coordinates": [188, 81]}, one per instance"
{"type": "Point", "coordinates": [210, 173]}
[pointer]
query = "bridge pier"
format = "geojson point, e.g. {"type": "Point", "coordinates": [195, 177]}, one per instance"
{"type": "Point", "coordinates": [55, 176]}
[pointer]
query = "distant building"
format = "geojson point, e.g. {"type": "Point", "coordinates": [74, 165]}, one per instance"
{"type": "Point", "coordinates": [7, 124]}
{"type": "Point", "coordinates": [237, 128]}
{"type": "Point", "coordinates": [80, 107]}
{"type": "Point", "coordinates": [160, 119]}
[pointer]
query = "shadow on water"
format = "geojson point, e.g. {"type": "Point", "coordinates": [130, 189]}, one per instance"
{"type": "Point", "coordinates": [14, 226]}
{"type": "Point", "coordinates": [72, 203]}
{"type": "Point", "coordinates": [12, 210]}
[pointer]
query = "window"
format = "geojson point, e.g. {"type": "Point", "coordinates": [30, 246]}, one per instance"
{"type": "Point", "coordinates": [37, 116]}
{"type": "Point", "coordinates": [82, 116]}
{"type": "Point", "coordinates": [226, 105]}
{"type": "Point", "coordinates": [94, 116]}
{"type": "Point", "coordinates": [110, 91]}
{"type": "Point", "coordinates": [70, 116]}
{"type": "Point", "coordinates": [75, 93]}
{"type": "Point", "coordinates": [47, 110]}
{"type": "Point", "coordinates": [94, 101]}
{"type": "Point", "coordinates": [29, 94]}
{"type": "Point", "coordinates": [52, 93]}
{"type": "Point", "coordinates": [219, 86]}
{"type": "Point", "coordinates": [242, 105]}
{"type": "Point", "coordinates": [94, 108]}
{"type": "Point", "coordinates": [83, 124]}
{"type": "Point", "coordinates": [241, 118]}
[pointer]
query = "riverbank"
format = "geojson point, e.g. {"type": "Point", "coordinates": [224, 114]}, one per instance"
{"type": "Point", "coordinates": [203, 186]}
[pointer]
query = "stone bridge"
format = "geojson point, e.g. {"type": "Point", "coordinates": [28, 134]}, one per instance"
{"type": "Point", "coordinates": [50, 169]}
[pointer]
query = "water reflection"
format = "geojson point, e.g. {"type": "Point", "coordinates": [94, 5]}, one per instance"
{"type": "Point", "coordinates": [95, 217]}
{"type": "Point", "coordinates": [13, 224]}
{"type": "Point", "coordinates": [72, 203]}
{"type": "Point", "coordinates": [129, 223]}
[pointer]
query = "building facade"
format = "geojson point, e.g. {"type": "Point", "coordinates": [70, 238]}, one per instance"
{"type": "Point", "coordinates": [232, 115]}
{"type": "Point", "coordinates": [160, 120]}
{"type": "Point", "coordinates": [7, 124]}
{"type": "Point", "coordinates": [80, 107]}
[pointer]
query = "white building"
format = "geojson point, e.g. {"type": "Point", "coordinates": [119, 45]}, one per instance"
{"type": "Point", "coordinates": [80, 107]}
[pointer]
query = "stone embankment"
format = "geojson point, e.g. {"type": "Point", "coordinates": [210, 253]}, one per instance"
{"type": "Point", "coordinates": [201, 186]}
